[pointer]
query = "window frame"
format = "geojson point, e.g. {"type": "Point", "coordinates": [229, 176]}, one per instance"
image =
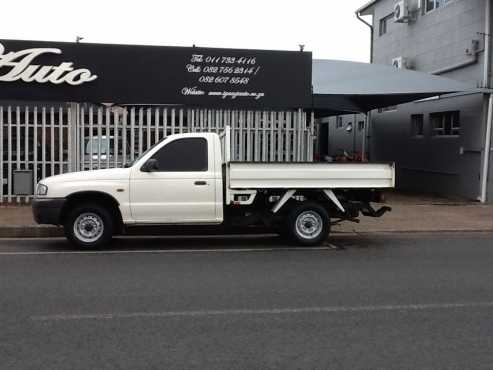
{"type": "Point", "coordinates": [383, 25]}
{"type": "Point", "coordinates": [207, 162]}
{"type": "Point", "coordinates": [418, 134]}
{"type": "Point", "coordinates": [361, 125]}
{"type": "Point", "coordinates": [454, 120]}
{"type": "Point", "coordinates": [389, 109]}
{"type": "Point", "coordinates": [441, 4]}
{"type": "Point", "coordinates": [339, 123]}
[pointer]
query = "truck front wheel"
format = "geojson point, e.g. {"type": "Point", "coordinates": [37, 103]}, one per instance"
{"type": "Point", "coordinates": [308, 224]}
{"type": "Point", "coordinates": [89, 226]}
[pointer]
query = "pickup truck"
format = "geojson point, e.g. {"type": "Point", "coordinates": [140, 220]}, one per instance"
{"type": "Point", "coordinates": [188, 180]}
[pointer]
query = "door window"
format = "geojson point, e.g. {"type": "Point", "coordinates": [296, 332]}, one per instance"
{"type": "Point", "coordinates": [183, 155]}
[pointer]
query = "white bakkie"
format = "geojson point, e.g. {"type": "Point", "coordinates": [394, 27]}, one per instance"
{"type": "Point", "coordinates": [189, 180]}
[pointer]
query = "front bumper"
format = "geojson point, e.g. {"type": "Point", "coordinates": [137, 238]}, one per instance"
{"type": "Point", "coordinates": [47, 210]}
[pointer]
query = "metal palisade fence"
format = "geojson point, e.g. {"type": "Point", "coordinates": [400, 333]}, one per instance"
{"type": "Point", "coordinates": [41, 141]}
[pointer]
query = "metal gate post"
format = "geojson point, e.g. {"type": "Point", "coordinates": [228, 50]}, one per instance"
{"type": "Point", "coordinates": [73, 137]}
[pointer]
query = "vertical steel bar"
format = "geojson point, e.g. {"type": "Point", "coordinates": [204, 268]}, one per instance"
{"type": "Point", "coordinates": [82, 119]}
{"type": "Point", "coordinates": [311, 136]}
{"type": "Point", "coordinates": [173, 114]}
{"type": "Point", "coordinates": [272, 153]}
{"type": "Point", "coordinates": [294, 141]}
{"type": "Point", "coordinates": [52, 141]}
{"type": "Point", "coordinates": [132, 134]}
{"type": "Point", "coordinates": [201, 120]}
{"type": "Point", "coordinates": [141, 126]}
{"type": "Point", "coordinates": [1, 155]}
{"type": "Point", "coordinates": [241, 119]}
{"type": "Point", "coordinates": [60, 141]}
{"type": "Point", "coordinates": [280, 123]}
{"type": "Point", "coordinates": [156, 125]}
{"type": "Point", "coordinates": [189, 116]}
{"type": "Point", "coordinates": [91, 141]}
{"type": "Point", "coordinates": [180, 122]}
{"type": "Point", "coordinates": [69, 139]}
{"type": "Point", "coordinates": [165, 123]}
{"type": "Point", "coordinates": [264, 136]}
{"type": "Point", "coordinates": [26, 143]}
{"type": "Point", "coordinates": [116, 137]}
{"type": "Point", "coordinates": [108, 142]}
{"type": "Point", "coordinates": [256, 136]}
{"type": "Point", "coordinates": [210, 127]}
{"type": "Point", "coordinates": [233, 136]}
{"type": "Point", "coordinates": [99, 131]}
{"type": "Point", "coordinates": [287, 144]}
{"type": "Point", "coordinates": [149, 119]}
{"type": "Point", "coordinates": [26, 138]}
{"type": "Point", "coordinates": [248, 136]}
{"type": "Point", "coordinates": [9, 154]}
{"type": "Point", "coordinates": [35, 147]}
{"type": "Point", "coordinates": [18, 142]}
{"type": "Point", "coordinates": [124, 136]}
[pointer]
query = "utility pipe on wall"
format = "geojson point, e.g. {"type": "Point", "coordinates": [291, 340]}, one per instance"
{"type": "Point", "coordinates": [489, 118]}
{"type": "Point", "coordinates": [487, 151]}
{"type": "Point", "coordinates": [487, 45]}
{"type": "Point", "coordinates": [371, 34]}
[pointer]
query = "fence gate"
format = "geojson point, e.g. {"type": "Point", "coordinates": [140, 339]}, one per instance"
{"type": "Point", "coordinates": [48, 140]}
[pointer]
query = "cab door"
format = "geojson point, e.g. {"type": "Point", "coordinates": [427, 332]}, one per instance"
{"type": "Point", "coordinates": [181, 187]}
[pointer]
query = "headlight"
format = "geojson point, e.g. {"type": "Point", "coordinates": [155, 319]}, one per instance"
{"type": "Point", "coordinates": [41, 189]}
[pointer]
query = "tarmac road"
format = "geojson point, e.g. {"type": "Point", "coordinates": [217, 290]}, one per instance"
{"type": "Point", "coordinates": [384, 302]}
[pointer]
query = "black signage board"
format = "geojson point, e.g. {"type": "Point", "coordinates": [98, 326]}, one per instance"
{"type": "Point", "coordinates": [130, 74]}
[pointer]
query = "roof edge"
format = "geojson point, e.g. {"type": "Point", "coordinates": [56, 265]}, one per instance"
{"type": "Point", "coordinates": [366, 6]}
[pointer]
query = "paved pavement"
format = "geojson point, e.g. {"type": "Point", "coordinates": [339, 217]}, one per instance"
{"type": "Point", "coordinates": [410, 213]}
{"type": "Point", "coordinates": [384, 302]}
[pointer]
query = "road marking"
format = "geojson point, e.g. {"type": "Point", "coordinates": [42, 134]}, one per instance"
{"type": "Point", "coordinates": [273, 311]}
{"type": "Point", "coordinates": [160, 251]}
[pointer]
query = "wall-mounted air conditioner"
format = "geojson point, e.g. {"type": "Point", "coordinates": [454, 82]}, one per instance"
{"type": "Point", "coordinates": [400, 63]}
{"type": "Point", "coordinates": [401, 11]}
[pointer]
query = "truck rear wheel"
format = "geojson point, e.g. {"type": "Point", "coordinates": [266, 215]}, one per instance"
{"type": "Point", "coordinates": [308, 224]}
{"type": "Point", "coordinates": [89, 226]}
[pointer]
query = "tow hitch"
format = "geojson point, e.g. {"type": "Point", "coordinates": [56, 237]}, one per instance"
{"type": "Point", "coordinates": [367, 210]}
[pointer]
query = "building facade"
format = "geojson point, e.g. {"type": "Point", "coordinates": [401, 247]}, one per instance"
{"type": "Point", "coordinates": [438, 144]}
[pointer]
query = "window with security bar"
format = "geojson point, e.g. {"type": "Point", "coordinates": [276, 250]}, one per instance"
{"type": "Point", "coordinates": [435, 4]}
{"type": "Point", "coordinates": [445, 124]}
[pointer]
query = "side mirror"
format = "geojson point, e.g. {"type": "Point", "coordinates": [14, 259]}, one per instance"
{"type": "Point", "coordinates": [150, 166]}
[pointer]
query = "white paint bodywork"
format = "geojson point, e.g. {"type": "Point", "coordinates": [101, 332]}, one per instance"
{"type": "Point", "coordinates": [311, 175]}
{"type": "Point", "coordinates": [104, 181]}
{"type": "Point", "coordinates": [174, 198]}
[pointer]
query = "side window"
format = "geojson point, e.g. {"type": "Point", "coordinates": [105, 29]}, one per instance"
{"type": "Point", "coordinates": [417, 125]}
{"type": "Point", "coordinates": [183, 155]}
{"type": "Point", "coordinates": [383, 28]}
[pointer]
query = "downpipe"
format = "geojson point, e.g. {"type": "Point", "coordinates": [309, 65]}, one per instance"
{"type": "Point", "coordinates": [489, 120]}
{"type": "Point", "coordinates": [487, 151]}
{"type": "Point", "coordinates": [372, 31]}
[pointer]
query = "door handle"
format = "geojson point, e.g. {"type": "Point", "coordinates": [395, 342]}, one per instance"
{"type": "Point", "coordinates": [200, 183]}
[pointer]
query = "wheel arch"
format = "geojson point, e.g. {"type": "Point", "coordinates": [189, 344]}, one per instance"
{"type": "Point", "coordinates": [98, 197]}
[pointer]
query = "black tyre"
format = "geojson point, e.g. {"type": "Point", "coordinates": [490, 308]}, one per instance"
{"type": "Point", "coordinates": [308, 224]}
{"type": "Point", "coordinates": [89, 226]}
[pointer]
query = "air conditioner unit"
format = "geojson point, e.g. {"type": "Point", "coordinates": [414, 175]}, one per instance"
{"type": "Point", "coordinates": [401, 11]}
{"type": "Point", "coordinates": [399, 63]}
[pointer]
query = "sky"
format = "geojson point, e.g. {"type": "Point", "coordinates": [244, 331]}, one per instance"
{"type": "Point", "coordinates": [328, 28]}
